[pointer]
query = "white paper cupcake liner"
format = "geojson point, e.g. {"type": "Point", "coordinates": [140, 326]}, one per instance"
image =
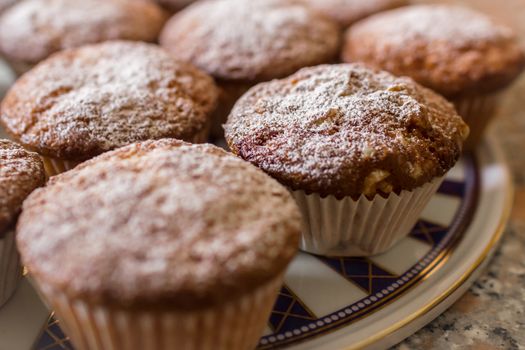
{"type": "Point", "coordinates": [54, 166]}
{"type": "Point", "coordinates": [346, 227]}
{"type": "Point", "coordinates": [477, 112]}
{"type": "Point", "coordinates": [233, 326]}
{"type": "Point", "coordinates": [10, 267]}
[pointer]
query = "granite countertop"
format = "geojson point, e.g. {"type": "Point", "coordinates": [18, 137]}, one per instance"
{"type": "Point", "coordinates": [491, 315]}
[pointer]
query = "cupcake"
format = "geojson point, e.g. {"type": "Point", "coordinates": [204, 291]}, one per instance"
{"type": "Point", "coordinates": [168, 245]}
{"type": "Point", "coordinates": [362, 151]}
{"type": "Point", "coordinates": [455, 51]}
{"type": "Point", "coordinates": [82, 102]}
{"type": "Point", "coordinates": [241, 43]}
{"type": "Point", "coordinates": [347, 12]}
{"type": "Point", "coordinates": [32, 30]}
{"type": "Point", "coordinates": [20, 173]}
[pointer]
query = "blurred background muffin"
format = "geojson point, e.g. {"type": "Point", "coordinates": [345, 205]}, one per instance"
{"type": "Point", "coordinates": [85, 101]}
{"type": "Point", "coordinates": [32, 30]}
{"type": "Point", "coordinates": [20, 173]}
{"type": "Point", "coordinates": [168, 245]}
{"type": "Point", "coordinates": [458, 52]}
{"type": "Point", "coordinates": [241, 43]}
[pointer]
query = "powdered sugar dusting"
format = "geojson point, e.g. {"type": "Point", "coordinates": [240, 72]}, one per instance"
{"type": "Point", "coordinates": [456, 25]}
{"type": "Point", "coordinates": [33, 29]}
{"type": "Point", "coordinates": [346, 130]}
{"type": "Point", "coordinates": [190, 223]}
{"type": "Point", "coordinates": [250, 40]}
{"type": "Point", "coordinates": [86, 101]}
{"type": "Point", "coordinates": [20, 173]}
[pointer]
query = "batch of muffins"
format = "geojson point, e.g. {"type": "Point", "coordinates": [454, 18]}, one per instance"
{"type": "Point", "coordinates": [341, 118]}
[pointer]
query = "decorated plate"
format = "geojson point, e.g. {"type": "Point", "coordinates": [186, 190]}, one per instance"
{"type": "Point", "coordinates": [337, 302]}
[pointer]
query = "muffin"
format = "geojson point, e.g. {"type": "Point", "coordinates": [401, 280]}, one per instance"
{"type": "Point", "coordinates": [347, 12]}
{"type": "Point", "coordinates": [168, 245]}
{"type": "Point", "coordinates": [82, 102]}
{"type": "Point", "coordinates": [455, 51]}
{"type": "Point", "coordinates": [32, 30]}
{"type": "Point", "coordinates": [361, 150]}
{"type": "Point", "coordinates": [20, 173]}
{"type": "Point", "coordinates": [241, 43]}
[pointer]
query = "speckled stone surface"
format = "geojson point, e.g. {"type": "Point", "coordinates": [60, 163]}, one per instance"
{"type": "Point", "coordinates": [491, 315]}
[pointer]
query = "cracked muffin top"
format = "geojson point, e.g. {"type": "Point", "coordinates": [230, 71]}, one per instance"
{"type": "Point", "coordinates": [452, 50]}
{"type": "Point", "coordinates": [85, 101]}
{"type": "Point", "coordinates": [243, 40]}
{"type": "Point", "coordinates": [159, 223]}
{"type": "Point", "coordinates": [32, 30]}
{"type": "Point", "coordinates": [346, 130]}
{"type": "Point", "coordinates": [20, 173]}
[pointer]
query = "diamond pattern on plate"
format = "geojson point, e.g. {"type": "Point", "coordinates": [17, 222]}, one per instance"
{"type": "Point", "coordinates": [53, 338]}
{"type": "Point", "coordinates": [289, 312]}
{"type": "Point", "coordinates": [428, 232]}
{"type": "Point", "coordinates": [363, 272]}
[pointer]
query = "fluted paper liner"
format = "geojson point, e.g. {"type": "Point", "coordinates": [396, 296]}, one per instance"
{"type": "Point", "coordinates": [55, 166]}
{"type": "Point", "coordinates": [477, 112]}
{"type": "Point", "coordinates": [10, 267]}
{"type": "Point", "coordinates": [363, 227]}
{"type": "Point", "coordinates": [236, 325]}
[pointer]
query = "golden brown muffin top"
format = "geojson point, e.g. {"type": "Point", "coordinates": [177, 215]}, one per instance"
{"type": "Point", "coordinates": [453, 50]}
{"type": "Point", "coordinates": [160, 223]}
{"type": "Point", "coordinates": [82, 102]}
{"type": "Point", "coordinates": [250, 40]}
{"type": "Point", "coordinates": [20, 173]}
{"type": "Point", "coordinates": [346, 12]}
{"type": "Point", "coordinates": [346, 130]}
{"type": "Point", "coordinates": [32, 30]}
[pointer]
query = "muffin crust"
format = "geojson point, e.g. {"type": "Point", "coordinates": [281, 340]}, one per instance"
{"type": "Point", "coordinates": [346, 130]}
{"type": "Point", "coordinates": [453, 50]}
{"type": "Point", "coordinates": [32, 30]}
{"type": "Point", "coordinates": [20, 173]}
{"type": "Point", "coordinates": [250, 40]}
{"type": "Point", "coordinates": [159, 224]}
{"type": "Point", "coordinates": [82, 102]}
